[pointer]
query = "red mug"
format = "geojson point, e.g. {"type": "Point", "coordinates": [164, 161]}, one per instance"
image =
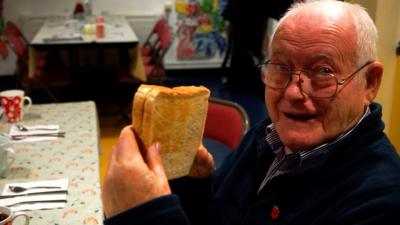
{"type": "Point", "coordinates": [13, 105]}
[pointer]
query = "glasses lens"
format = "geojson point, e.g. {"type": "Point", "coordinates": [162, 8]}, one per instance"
{"type": "Point", "coordinates": [276, 75]}
{"type": "Point", "coordinates": [320, 85]}
{"type": "Point", "coordinates": [314, 83]}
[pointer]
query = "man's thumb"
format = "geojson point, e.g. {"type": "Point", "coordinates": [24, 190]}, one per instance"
{"type": "Point", "coordinates": [153, 159]}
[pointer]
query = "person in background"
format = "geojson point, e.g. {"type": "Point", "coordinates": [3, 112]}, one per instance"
{"type": "Point", "coordinates": [321, 157]}
{"type": "Point", "coordinates": [247, 32]}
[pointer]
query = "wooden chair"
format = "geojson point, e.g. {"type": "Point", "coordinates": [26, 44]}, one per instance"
{"type": "Point", "coordinates": [50, 72]}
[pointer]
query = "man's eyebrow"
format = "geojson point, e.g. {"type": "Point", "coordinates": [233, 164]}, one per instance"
{"type": "Point", "coordinates": [278, 52]}
{"type": "Point", "coordinates": [322, 56]}
{"type": "Point", "coordinates": [318, 56]}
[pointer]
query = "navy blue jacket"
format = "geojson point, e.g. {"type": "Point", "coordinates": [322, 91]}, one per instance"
{"type": "Point", "coordinates": [358, 182]}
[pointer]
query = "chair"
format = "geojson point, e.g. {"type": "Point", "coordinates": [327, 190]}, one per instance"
{"type": "Point", "coordinates": [154, 37]}
{"type": "Point", "coordinates": [46, 75]}
{"type": "Point", "coordinates": [226, 123]}
{"type": "Point", "coordinates": [152, 53]}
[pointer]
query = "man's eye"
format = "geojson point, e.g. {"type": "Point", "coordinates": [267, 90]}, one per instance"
{"type": "Point", "coordinates": [324, 71]}
{"type": "Point", "coordinates": [283, 67]}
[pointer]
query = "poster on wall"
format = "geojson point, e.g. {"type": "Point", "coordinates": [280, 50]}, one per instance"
{"type": "Point", "coordinates": [200, 29]}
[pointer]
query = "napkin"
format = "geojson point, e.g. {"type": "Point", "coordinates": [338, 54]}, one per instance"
{"type": "Point", "coordinates": [56, 198]}
{"type": "Point", "coordinates": [34, 129]}
{"type": "Point", "coordinates": [64, 37]}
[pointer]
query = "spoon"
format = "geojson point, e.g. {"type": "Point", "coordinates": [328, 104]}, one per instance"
{"type": "Point", "coordinates": [18, 189]}
{"type": "Point", "coordinates": [21, 127]}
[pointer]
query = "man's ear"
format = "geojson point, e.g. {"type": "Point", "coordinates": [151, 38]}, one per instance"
{"type": "Point", "coordinates": [373, 81]}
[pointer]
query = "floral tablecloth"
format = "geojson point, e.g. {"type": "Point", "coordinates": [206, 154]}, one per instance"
{"type": "Point", "coordinates": [75, 157]}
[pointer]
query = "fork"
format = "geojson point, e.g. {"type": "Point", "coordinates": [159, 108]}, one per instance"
{"type": "Point", "coordinates": [23, 136]}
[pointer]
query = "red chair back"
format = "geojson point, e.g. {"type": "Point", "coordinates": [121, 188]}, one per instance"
{"type": "Point", "coordinates": [226, 122]}
{"type": "Point", "coordinates": [18, 46]}
{"type": "Point", "coordinates": [16, 40]}
{"type": "Point", "coordinates": [160, 26]}
{"type": "Point", "coordinates": [165, 39]}
{"type": "Point", "coordinates": [12, 29]}
{"type": "Point", "coordinates": [153, 40]}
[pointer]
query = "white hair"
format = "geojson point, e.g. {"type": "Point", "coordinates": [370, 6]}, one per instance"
{"type": "Point", "coordinates": [365, 28]}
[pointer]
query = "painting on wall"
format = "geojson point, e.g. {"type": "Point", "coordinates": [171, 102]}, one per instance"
{"type": "Point", "coordinates": [200, 33]}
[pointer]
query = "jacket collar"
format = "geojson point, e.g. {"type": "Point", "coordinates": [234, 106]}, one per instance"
{"type": "Point", "coordinates": [257, 154]}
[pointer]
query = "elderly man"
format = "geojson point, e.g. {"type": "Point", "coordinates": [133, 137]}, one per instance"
{"type": "Point", "coordinates": [321, 157]}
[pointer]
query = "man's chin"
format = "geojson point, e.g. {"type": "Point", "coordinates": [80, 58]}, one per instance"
{"type": "Point", "coordinates": [300, 142]}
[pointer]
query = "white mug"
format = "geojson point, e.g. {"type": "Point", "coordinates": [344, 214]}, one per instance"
{"type": "Point", "coordinates": [7, 155]}
{"type": "Point", "coordinates": [12, 102]}
{"type": "Point", "coordinates": [7, 216]}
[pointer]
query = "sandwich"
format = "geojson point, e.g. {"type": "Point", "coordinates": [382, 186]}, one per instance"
{"type": "Point", "coordinates": [174, 117]}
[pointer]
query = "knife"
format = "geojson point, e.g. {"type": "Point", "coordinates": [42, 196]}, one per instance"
{"type": "Point", "coordinates": [23, 136]}
{"type": "Point", "coordinates": [35, 201]}
{"type": "Point", "coordinates": [36, 193]}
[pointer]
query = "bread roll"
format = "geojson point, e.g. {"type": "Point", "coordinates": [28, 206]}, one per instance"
{"type": "Point", "coordinates": [175, 117]}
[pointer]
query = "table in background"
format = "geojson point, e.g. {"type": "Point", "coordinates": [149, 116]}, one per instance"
{"type": "Point", "coordinates": [74, 157]}
{"type": "Point", "coordinates": [118, 34]}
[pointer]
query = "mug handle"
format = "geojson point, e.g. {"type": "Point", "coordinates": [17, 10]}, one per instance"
{"type": "Point", "coordinates": [12, 156]}
{"type": "Point", "coordinates": [29, 100]}
{"type": "Point", "coordinates": [21, 214]}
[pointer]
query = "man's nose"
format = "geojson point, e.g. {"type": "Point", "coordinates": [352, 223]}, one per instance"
{"type": "Point", "coordinates": [295, 88]}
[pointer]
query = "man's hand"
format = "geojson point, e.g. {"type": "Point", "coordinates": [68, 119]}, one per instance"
{"type": "Point", "coordinates": [132, 178]}
{"type": "Point", "coordinates": [203, 164]}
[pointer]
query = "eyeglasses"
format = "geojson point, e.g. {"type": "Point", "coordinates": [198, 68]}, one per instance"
{"type": "Point", "coordinates": [320, 82]}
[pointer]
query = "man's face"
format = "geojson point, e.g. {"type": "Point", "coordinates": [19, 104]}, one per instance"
{"type": "Point", "coordinates": [303, 122]}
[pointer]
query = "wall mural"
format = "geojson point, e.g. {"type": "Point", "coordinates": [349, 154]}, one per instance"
{"type": "Point", "coordinates": [200, 33]}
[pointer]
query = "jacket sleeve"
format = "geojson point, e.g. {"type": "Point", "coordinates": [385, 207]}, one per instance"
{"type": "Point", "coordinates": [194, 197]}
{"type": "Point", "coordinates": [160, 211]}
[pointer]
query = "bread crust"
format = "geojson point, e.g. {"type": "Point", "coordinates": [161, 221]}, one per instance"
{"type": "Point", "coordinates": [174, 117]}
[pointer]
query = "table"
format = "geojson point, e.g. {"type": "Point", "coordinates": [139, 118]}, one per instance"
{"type": "Point", "coordinates": [75, 157]}
{"type": "Point", "coordinates": [69, 35]}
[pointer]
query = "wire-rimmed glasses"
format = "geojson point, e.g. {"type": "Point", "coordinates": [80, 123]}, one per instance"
{"type": "Point", "coordinates": [318, 83]}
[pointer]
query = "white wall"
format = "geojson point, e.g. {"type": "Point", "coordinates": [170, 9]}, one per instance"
{"type": "Point", "coordinates": [16, 9]}
{"type": "Point", "coordinates": [13, 9]}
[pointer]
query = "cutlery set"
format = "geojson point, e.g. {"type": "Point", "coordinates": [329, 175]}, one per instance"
{"type": "Point", "coordinates": [21, 132]}
{"type": "Point", "coordinates": [35, 195]}
{"type": "Point", "coordinates": [32, 198]}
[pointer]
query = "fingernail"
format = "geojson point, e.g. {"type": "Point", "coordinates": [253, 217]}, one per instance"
{"type": "Point", "coordinates": [157, 146]}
